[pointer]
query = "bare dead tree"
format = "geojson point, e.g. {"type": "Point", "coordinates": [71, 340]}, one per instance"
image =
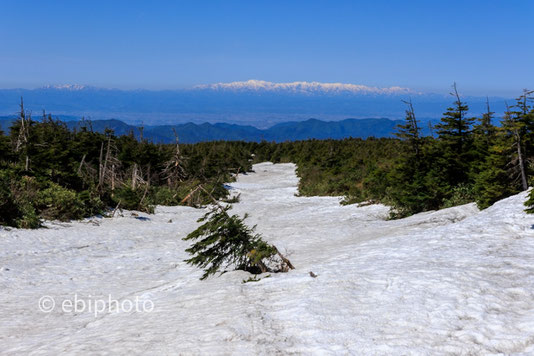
{"type": "Point", "coordinates": [100, 165]}
{"type": "Point", "coordinates": [112, 179]}
{"type": "Point", "coordinates": [174, 171]}
{"type": "Point", "coordinates": [519, 125]}
{"type": "Point", "coordinates": [410, 131]}
{"type": "Point", "coordinates": [106, 176]}
{"type": "Point", "coordinates": [90, 123]}
{"type": "Point", "coordinates": [81, 164]}
{"type": "Point", "coordinates": [520, 160]}
{"type": "Point", "coordinates": [177, 143]}
{"type": "Point", "coordinates": [22, 138]}
{"type": "Point", "coordinates": [134, 176]}
{"type": "Point", "coordinates": [24, 133]}
{"type": "Point", "coordinates": [141, 129]}
{"type": "Point", "coordinates": [104, 168]}
{"type": "Point", "coordinates": [514, 126]}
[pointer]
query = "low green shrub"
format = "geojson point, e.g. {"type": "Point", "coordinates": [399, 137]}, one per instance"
{"type": "Point", "coordinates": [59, 203]}
{"type": "Point", "coordinates": [17, 197]}
{"type": "Point", "coordinates": [133, 199]}
{"type": "Point", "coordinates": [461, 194]}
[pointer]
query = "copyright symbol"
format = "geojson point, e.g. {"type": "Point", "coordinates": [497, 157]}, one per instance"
{"type": "Point", "coordinates": [46, 304]}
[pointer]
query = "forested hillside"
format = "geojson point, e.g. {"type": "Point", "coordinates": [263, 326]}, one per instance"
{"type": "Point", "coordinates": [465, 159]}
{"type": "Point", "coordinates": [193, 133]}
{"type": "Point", "coordinates": [48, 171]}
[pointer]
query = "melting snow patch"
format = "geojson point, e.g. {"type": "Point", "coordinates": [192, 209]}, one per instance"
{"type": "Point", "coordinates": [456, 281]}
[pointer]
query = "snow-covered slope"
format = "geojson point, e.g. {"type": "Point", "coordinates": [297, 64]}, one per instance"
{"type": "Point", "coordinates": [456, 281]}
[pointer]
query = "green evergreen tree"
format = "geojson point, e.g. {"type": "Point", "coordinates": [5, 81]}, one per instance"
{"type": "Point", "coordinates": [493, 181]}
{"type": "Point", "coordinates": [5, 150]}
{"type": "Point", "coordinates": [527, 115]}
{"type": "Point", "coordinates": [530, 203]}
{"type": "Point", "coordinates": [224, 241]}
{"type": "Point", "coordinates": [455, 141]}
{"type": "Point", "coordinates": [484, 133]}
{"type": "Point", "coordinates": [505, 170]}
{"type": "Point", "coordinates": [407, 189]}
{"type": "Point", "coordinates": [515, 131]}
{"type": "Point", "coordinates": [410, 131]}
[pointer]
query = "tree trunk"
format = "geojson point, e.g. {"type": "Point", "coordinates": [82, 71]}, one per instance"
{"type": "Point", "coordinates": [521, 164]}
{"type": "Point", "coordinates": [116, 208]}
{"type": "Point", "coordinates": [286, 261]}
{"type": "Point", "coordinates": [81, 165]}
{"type": "Point", "coordinates": [106, 161]}
{"type": "Point", "coordinates": [134, 176]}
{"type": "Point", "coordinates": [112, 179]}
{"type": "Point", "coordinates": [148, 176]}
{"type": "Point", "coordinates": [100, 176]}
{"type": "Point", "coordinates": [262, 267]}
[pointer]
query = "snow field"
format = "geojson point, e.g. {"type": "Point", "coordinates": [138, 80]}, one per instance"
{"type": "Point", "coordinates": [455, 281]}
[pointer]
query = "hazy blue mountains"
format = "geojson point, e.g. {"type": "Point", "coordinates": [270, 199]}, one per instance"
{"type": "Point", "coordinates": [288, 131]}
{"type": "Point", "coordinates": [257, 103]}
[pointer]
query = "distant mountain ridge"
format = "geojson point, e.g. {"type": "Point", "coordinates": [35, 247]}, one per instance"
{"type": "Point", "coordinates": [306, 88]}
{"type": "Point", "coordinates": [287, 131]}
{"type": "Point", "coordinates": [254, 102]}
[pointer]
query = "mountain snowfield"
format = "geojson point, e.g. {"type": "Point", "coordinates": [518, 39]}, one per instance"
{"type": "Point", "coordinates": [306, 87]}
{"type": "Point", "coordinates": [455, 281]}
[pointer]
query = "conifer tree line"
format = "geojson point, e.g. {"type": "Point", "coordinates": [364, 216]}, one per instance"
{"type": "Point", "coordinates": [50, 172]}
{"type": "Point", "coordinates": [466, 159]}
{"type": "Point", "coordinates": [471, 159]}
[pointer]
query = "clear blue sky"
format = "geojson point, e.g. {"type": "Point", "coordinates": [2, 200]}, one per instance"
{"type": "Point", "coordinates": [485, 46]}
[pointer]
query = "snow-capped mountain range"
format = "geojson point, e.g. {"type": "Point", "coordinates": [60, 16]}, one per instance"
{"type": "Point", "coordinates": [253, 102]}
{"type": "Point", "coordinates": [306, 87]}
{"type": "Point", "coordinates": [72, 87]}
{"type": "Point", "coordinates": [254, 85]}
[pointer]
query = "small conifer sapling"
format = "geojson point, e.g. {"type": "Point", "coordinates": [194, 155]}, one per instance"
{"type": "Point", "coordinates": [224, 241]}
